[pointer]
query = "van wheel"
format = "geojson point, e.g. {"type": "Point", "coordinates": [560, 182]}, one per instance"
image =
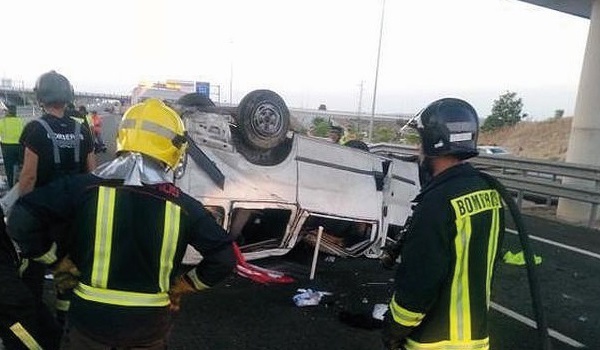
{"type": "Point", "coordinates": [263, 119]}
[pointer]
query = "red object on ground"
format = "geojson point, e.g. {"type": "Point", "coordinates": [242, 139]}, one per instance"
{"type": "Point", "coordinates": [255, 273]}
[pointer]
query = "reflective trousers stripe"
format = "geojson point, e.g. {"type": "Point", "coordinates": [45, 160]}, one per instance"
{"type": "Point", "coordinates": [25, 337]}
{"type": "Point", "coordinates": [480, 344]}
{"type": "Point", "coordinates": [103, 236]}
{"type": "Point", "coordinates": [120, 297]}
{"type": "Point", "coordinates": [169, 244]}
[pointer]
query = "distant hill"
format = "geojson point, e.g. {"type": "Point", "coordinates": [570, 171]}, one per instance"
{"type": "Point", "coordinates": [540, 140]}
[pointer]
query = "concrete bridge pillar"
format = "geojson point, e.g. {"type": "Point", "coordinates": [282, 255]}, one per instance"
{"type": "Point", "coordinates": [584, 142]}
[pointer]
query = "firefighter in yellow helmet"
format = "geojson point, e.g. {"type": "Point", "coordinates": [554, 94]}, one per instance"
{"type": "Point", "coordinates": [130, 229]}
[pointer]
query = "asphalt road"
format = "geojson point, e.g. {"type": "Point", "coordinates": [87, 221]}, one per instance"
{"type": "Point", "coordinates": [241, 314]}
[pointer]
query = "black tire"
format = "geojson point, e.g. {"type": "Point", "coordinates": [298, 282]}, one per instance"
{"type": "Point", "coordinates": [263, 119]}
{"type": "Point", "coordinates": [357, 144]}
{"type": "Point", "coordinates": [194, 99]}
{"type": "Point", "coordinates": [268, 157]}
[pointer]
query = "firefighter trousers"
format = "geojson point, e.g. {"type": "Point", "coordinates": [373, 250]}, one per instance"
{"type": "Point", "coordinates": [19, 324]}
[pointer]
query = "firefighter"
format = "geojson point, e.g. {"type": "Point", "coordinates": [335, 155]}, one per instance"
{"type": "Point", "coordinates": [11, 127]}
{"type": "Point", "coordinates": [55, 145]}
{"type": "Point", "coordinates": [130, 226]}
{"type": "Point", "coordinates": [442, 284]}
{"type": "Point", "coordinates": [336, 133]}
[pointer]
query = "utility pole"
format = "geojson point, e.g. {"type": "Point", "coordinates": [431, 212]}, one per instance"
{"type": "Point", "coordinates": [376, 73]}
{"type": "Point", "coordinates": [231, 73]}
{"type": "Point", "coordinates": [231, 83]}
{"type": "Point", "coordinates": [360, 97]}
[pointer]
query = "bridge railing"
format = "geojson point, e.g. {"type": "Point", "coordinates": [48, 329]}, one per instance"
{"type": "Point", "coordinates": [551, 179]}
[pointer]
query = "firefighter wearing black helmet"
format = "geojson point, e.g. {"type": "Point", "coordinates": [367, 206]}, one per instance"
{"type": "Point", "coordinates": [443, 281]}
{"type": "Point", "coordinates": [55, 146]}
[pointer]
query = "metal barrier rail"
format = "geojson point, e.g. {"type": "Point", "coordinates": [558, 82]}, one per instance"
{"type": "Point", "coordinates": [525, 175]}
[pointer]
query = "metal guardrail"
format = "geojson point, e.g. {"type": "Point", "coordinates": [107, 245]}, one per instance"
{"type": "Point", "coordinates": [524, 175]}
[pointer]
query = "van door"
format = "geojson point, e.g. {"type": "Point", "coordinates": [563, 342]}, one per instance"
{"type": "Point", "coordinates": [261, 229]}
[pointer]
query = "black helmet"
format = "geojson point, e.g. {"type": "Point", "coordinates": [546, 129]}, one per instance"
{"type": "Point", "coordinates": [449, 126]}
{"type": "Point", "coordinates": [52, 87]}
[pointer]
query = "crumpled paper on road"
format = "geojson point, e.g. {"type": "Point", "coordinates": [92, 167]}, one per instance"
{"type": "Point", "coordinates": [309, 297]}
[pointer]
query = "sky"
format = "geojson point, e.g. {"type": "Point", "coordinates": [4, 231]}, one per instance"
{"type": "Point", "coordinates": [311, 52]}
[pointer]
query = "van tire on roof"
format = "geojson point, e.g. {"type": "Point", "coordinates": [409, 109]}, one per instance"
{"type": "Point", "coordinates": [263, 119]}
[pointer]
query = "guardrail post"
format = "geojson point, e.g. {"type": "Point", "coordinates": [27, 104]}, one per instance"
{"type": "Point", "coordinates": [520, 199]}
{"type": "Point", "coordinates": [593, 215]}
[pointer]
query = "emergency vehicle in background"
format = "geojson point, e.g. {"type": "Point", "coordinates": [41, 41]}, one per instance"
{"type": "Point", "coordinates": [272, 188]}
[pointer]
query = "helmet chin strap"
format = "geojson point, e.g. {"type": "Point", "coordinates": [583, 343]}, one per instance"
{"type": "Point", "coordinates": [425, 170]}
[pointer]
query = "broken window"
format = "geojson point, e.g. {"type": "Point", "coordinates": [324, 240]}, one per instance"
{"type": "Point", "coordinates": [258, 229]}
{"type": "Point", "coordinates": [340, 237]}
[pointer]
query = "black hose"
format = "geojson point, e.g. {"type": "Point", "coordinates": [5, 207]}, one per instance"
{"type": "Point", "coordinates": [534, 286]}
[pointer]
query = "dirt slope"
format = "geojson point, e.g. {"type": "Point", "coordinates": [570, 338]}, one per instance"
{"type": "Point", "coordinates": [541, 140]}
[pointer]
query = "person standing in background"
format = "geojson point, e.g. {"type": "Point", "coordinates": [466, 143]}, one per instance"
{"type": "Point", "coordinates": [11, 127]}
{"type": "Point", "coordinates": [96, 126]}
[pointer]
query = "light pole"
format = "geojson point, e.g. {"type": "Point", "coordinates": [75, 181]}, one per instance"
{"type": "Point", "coordinates": [376, 73]}
{"type": "Point", "coordinates": [231, 73]}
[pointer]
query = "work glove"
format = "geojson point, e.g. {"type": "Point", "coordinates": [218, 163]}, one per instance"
{"type": "Point", "coordinates": [65, 275]}
{"type": "Point", "coordinates": [178, 289]}
{"type": "Point", "coordinates": [393, 334]}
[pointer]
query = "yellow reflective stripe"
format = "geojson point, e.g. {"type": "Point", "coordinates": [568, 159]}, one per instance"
{"type": "Point", "coordinates": [169, 244]}
{"type": "Point", "coordinates": [491, 253]}
{"type": "Point", "coordinates": [103, 236]}
{"type": "Point", "coordinates": [120, 297]}
{"type": "Point", "coordinates": [25, 337]}
{"type": "Point", "coordinates": [460, 308]}
{"type": "Point", "coordinates": [199, 285]}
{"type": "Point", "coordinates": [62, 305]}
{"type": "Point", "coordinates": [403, 316]}
{"type": "Point", "coordinates": [49, 257]}
{"type": "Point", "coordinates": [479, 344]}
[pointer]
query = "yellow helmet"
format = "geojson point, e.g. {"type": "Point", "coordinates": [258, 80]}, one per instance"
{"type": "Point", "coordinates": [153, 129]}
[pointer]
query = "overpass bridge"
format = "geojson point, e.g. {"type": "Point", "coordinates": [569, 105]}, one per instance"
{"type": "Point", "coordinates": [23, 96]}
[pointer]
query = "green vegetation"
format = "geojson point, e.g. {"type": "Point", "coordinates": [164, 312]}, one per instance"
{"type": "Point", "coordinates": [506, 111]}
{"type": "Point", "coordinates": [320, 127]}
{"type": "Point", "coordinates": [385, 134]}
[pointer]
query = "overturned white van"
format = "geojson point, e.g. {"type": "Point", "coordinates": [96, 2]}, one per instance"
{"type": "Point", "coordinates": [271, 196]}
